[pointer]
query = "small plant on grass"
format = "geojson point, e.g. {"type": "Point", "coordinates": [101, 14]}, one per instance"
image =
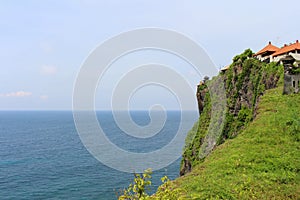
{"type": "Point", "coordinates": [168, 191]}
{"type": "Point", "coordinates": [142, 182]}
{"type": "Point", "coordinates": [137, 189]}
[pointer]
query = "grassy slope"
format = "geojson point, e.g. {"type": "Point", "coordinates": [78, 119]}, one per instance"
{"type": "Point", "coordinates": [263, 162]}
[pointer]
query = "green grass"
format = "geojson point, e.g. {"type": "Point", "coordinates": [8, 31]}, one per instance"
{"type": "Point", "coordinates": [263, 162]}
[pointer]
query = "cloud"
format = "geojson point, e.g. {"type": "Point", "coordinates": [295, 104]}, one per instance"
{"type": "Point", "coordinates": [16, 94]}
{"type": "Point", "coordinates": [44, 97]}
{"type": "Point", "coordinates": [48, 70]}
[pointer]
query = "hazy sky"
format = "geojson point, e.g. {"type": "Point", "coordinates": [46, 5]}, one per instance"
{"type": "Point", "coordinates": [44, 43]}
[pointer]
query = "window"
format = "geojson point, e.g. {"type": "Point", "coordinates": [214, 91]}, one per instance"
{"type": "Point", "coordinates": [294, 83]}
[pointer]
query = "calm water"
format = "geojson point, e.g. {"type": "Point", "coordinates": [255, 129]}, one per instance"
{"type": "Point", "coordinates": [42, 157]}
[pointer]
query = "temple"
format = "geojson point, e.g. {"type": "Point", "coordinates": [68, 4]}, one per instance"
{"type": "Point", "coordinates": [266, 53]}
{"type": "Point", "coordinates": [271, 53]}
{"type": "Point", "coordinates": [289, 57]}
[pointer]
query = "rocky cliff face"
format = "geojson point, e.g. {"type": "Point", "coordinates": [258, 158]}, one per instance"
{"type": "Point", "coordinates": [244, 82]}
{"type": "Point", "coordinates": [202, 89]}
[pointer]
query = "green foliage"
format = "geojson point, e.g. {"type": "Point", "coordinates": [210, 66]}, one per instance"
{"type": "Point", "coordinates": [293, 123]}
{"type": "Point", "coordinates": [295, 70]}
{"type": "Point", "coordinates": [141, 182]}
{"type": "Point", "coordinates": [245, 82]}
{"type": "Point", "coordinates": [137, 189]}
{"type": "Point", "coordinates": [245, 116]}
{"type": "Point", "coordinates": [195, 140]}
{"type": "Point", "coordinates": [240, 58]}
{"type": "Point", "coordinates": [273, 70]}
{"type": "Point", "coordinates": [262, 162]}
{"type": "Point", "coordinates": [201, 87]}
{"type": "Point", "coordinates": [168, 191]}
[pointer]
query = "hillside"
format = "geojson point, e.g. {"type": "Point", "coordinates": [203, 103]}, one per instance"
{"type": "Point", "coordinates": [256, 155]}
{"type": "Point", "coordinates": [263, 162]}
{"type": "Point", "coordinates": [244, 82]}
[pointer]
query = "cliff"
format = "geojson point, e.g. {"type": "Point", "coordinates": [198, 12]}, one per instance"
{"type": "Point", "coordinates": [256, 155]}
{"type": "Point", "coordinates": [244, 82]}
{"type": "Point", "coordinates": [245, 144]}
{"type": "Point", "coordinates": [261, 162]}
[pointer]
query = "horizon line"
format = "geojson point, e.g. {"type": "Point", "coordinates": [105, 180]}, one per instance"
{"type": "Point", "coordinates": [12, 110]}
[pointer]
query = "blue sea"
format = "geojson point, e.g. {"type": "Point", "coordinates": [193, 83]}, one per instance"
{"type": "Point", "coordinates": [42, 156]}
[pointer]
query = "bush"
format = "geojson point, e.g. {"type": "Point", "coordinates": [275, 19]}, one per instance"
{"type": "Point", "coordinates": [242, 57]}
{"type": "Point", "coordinates": [137, 189]}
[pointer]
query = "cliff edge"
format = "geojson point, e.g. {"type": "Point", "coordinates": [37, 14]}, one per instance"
{"type": "Point", "coordinates": [244, 82]}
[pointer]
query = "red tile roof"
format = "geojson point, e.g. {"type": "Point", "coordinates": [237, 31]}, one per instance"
{"type": "Point", "coordinates": [287, 48]}
{"type": "Point", "coordinates": [269, 48]}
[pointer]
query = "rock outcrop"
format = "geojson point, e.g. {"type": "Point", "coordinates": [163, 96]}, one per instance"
{"type": "Point", "coordinates": [244, 82]}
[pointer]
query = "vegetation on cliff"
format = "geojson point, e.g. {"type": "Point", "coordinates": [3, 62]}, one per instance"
{"type": "Point", "coordinates": [262, 162]}
{"type": "Point", "coordinates": [256, 156]}
{"type": "Point", "coordinates": [244, 82]}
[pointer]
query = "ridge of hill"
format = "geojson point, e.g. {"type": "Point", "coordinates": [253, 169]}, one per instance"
{"type": "Point", "coordinates": [262, 162]}
{"type": "Point", "coordinates": [243, 83]}
{"type": "Point", "coordinates": [256, 154]}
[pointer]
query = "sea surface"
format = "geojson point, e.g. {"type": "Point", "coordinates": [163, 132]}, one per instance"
{"type": "Point", "coordinates": [42, 157]}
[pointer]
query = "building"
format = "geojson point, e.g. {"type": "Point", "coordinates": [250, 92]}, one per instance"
{"type": "Point", "coordinates": [266, 53]}
{"type": "Point", "coordinates": [272, 53]}
{"type": "Point", "coordinates": [286, 50]}
{"type": "Point", "coordinates": [289, 56]}
{"type": "Point", "coordinates": [291, 65]}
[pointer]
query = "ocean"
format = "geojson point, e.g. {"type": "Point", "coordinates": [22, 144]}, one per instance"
{"type": "Point", "coordinates": [42, 156]}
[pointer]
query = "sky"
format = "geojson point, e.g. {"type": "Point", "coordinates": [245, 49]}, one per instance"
{"type": "Point", "coordinates": [43, 44]}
